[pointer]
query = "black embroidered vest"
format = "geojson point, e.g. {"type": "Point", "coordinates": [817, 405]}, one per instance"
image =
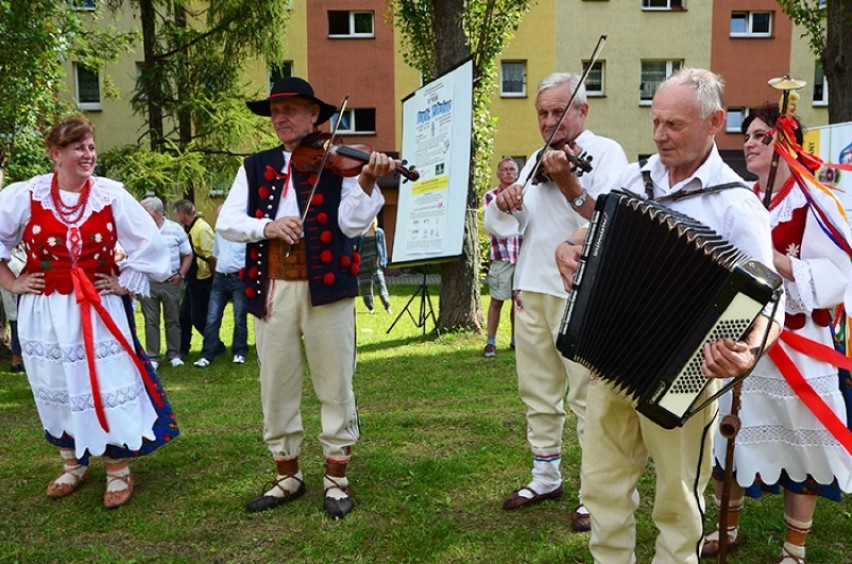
{"type": "Point", "coordinates": [333, 263]}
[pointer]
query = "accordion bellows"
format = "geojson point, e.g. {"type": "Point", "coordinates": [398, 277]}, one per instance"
{"type": "Point", "coordinates": [653, 286]}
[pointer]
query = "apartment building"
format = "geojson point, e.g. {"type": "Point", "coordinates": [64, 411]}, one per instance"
{"type": "Point", "coordinates": [347, 47]}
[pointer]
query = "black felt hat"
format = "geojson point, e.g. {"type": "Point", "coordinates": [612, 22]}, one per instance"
{"type": "Point", "coordinates": [292, 87]}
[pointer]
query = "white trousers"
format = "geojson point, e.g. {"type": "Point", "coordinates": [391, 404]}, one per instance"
{"type": "Point", "coordinates": [545, 376]}
{"type": "Point", "coordinates": [617, 444]}
{"type": "Point", "coordinates": [328, 334]}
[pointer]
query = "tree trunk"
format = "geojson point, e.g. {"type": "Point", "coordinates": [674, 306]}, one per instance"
{"type": "Point", "coordinates": [184, 117]}
{"type": "Point", "coordinates": [460, 305]}
{"type": "Point", "coordinates": [836, 60]}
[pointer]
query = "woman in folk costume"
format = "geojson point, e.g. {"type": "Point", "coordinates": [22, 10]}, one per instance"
{"type": "Point", "coordinates": [95, 394]}
{"type": "Point", "coordinates": [783, 443]}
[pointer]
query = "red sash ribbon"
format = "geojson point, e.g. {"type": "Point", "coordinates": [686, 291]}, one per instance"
{"type": "Point", "coordinates": [804, 390]}
{"type": "Point", "coordinates": [87, 297]}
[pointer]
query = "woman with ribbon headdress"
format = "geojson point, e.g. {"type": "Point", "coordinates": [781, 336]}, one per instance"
{"type": "Point", "coordinates": [794, 432]}
{"type": "Point", "coordinates": [95, 392]}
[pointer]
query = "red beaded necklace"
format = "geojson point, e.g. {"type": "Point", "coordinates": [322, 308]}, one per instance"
{"type": "Point", "coordinates": [69, 214]}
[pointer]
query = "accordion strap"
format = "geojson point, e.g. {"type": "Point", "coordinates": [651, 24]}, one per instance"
{"type": "Point", "coordinates": [682, 194]}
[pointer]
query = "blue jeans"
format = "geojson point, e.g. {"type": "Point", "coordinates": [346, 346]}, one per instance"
{"type": "Point", "coordinates": [226, 287]}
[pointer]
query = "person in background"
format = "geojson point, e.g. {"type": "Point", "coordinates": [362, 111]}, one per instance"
{"type": "Point", "coordinates": [687, 112]}
{"type": "Point", "coordinates": [95, 394]}
{"type": "Point", "coordinates": [17, 260]}
{"type": "Point", "coordinates": [374, 259]}
{"type": "Point", "coordinates": [781, 443]}
{"type": "Point", "coordinates": [166, 294]}
{"type": "Point", "coordinates": [199, 279]}
{"type": "Point", "coordinates": [555, 204]}
{"type": "Point", "coordinates": [504, 256]}
{"type": "Point", "coordinates": [227, 286]}
{"type": "Point", "coordinates": [301, 281]}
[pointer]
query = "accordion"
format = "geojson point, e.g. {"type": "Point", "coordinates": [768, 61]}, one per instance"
{"type": "Point", "coordinates": [652, 287]}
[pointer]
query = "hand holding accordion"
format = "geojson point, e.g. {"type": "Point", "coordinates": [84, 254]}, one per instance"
{"type": "Point", "coordinates": [652, 288]}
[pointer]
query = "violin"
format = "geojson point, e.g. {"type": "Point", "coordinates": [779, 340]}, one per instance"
{"type": "Point", "coordinates": [579, 164]}
{"type": "Point", "coordinates": [345, 160]}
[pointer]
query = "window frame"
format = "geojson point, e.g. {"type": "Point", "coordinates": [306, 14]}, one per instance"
{"type": "Point", "coordinates": [352, 129]}
{"type": "Point", "coordinates": [282, 66]}
{"type": "Point", "coordinates": [749, 33]}
{"type": "Point", "coordinates": [670, 69]}
{"type": "Point", "coordinates": [88, 106]}
{"type": "Point", "coordinates": [352, 34]}
{"type": "Point", "coordinates": [738, 128]}
{"type": "Point", "coordinates": [85, 5]}
{"type": "Point", "coordinates": [681, 5]}
{"type": "Point", "coordinates": [513, 94]}
{"type": "Point", "coordinates": [823, 101]}
{"type": "Point", "coordinates": [601, 65]}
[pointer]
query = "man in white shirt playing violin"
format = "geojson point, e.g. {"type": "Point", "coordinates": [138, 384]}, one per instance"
{"type": "Point", "coordinates": [545, 211]}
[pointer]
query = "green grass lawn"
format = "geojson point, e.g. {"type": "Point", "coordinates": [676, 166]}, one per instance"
{"type": "Point", "coordinates": [443, 441]}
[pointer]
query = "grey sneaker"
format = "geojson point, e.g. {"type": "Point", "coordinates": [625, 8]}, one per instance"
{"type": "Point", "coordinates": [490, 351]}
{"type": "Point", "coordinates": [201, 363]}
{"type": "Point", "coordinates": [239, 359]}
{"type": "Point", "coordinates": [175, 362]}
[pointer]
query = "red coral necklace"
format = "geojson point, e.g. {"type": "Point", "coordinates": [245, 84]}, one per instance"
{"type": "Point", "coordinates": [69, 214]}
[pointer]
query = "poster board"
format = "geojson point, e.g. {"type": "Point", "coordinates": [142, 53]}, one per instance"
{"type": "Point", "coordinates": [833, 144]}
{"type": "Point", "coordinates": [436, 139]}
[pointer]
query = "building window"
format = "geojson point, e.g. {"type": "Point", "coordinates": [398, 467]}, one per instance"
{"type": "Point", "coordinates": [751, 24]}
{"type": "Point", "coordinates": [735, 117]}
{"type": "Point", "coordinates": [279, 72]}
{"type": "Point", "coordinates": [653, 73]}
{"type": "Point", "coordinates": [350, 24]}
{"type": "Point", "coordinates": [595, 79]}
{"type": "Point", "coordinates": [356, 121]}
{"type": "Point", "coordinates": [84, 5]}
{"type": "Point", "coordinates": [663, 4]}
{"type": "Point", "coordinates": [513, 79]}
{"type": "Point", "coordinates": [820, 86]}
{"type": "Point", "coordinates": [88, 88]}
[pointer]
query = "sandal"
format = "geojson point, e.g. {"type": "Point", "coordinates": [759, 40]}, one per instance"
{"type": "Point", "coordinates": [710, 548]}
{"type": "Point", "coordinates": [56, 489]}
{"type": "Point", "coordinates": [113, 499]}
{"type": "Point", "coordinates": [264, 502]}
{"type": "Point", "coordinates": [337, 507]}
{"type": "Point", "coordinates": [787, 558]}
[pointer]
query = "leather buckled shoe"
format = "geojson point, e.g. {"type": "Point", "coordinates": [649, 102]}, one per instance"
{"type": "Point", "coordinates": [264, 502]}
{"type": "Point", "coordinates": [581, 522]}
{"type": "Point", "coordinates": [515, 500]}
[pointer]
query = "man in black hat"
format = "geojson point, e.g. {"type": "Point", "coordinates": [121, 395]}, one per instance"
{"type": "Point", "coordinates": [301, 276]}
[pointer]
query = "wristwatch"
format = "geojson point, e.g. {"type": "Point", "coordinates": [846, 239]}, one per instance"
{"type": "Point", "coordinates": [578, 202]}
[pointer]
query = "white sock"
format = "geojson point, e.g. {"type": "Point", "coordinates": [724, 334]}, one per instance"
{"type": "Point", "coordinates": [546, 477]}
{"type": "Point", "coordinates": [794, 550]}
{"type": "Point", "coordinates": [333, 487]}
{"type": "Point", "coordinates": [732, 535]}
{"type": "Point", "coordinates": [117, 485]}
{"type": "Point", "coordinates": [73, 471]}
{"type": "Point", "coordinates": [290, 484]}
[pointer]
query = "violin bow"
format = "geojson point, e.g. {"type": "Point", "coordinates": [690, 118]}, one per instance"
{"type": "Point", "coordinates": [592, 61]}
{"type": "Point", "coordinates": [324, 160]}
{"type": "Point", "coordinates": [329, 144]}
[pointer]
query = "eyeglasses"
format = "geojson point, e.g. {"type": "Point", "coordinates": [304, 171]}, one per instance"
{"type": "Point", "coordinates": [506, 169]}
